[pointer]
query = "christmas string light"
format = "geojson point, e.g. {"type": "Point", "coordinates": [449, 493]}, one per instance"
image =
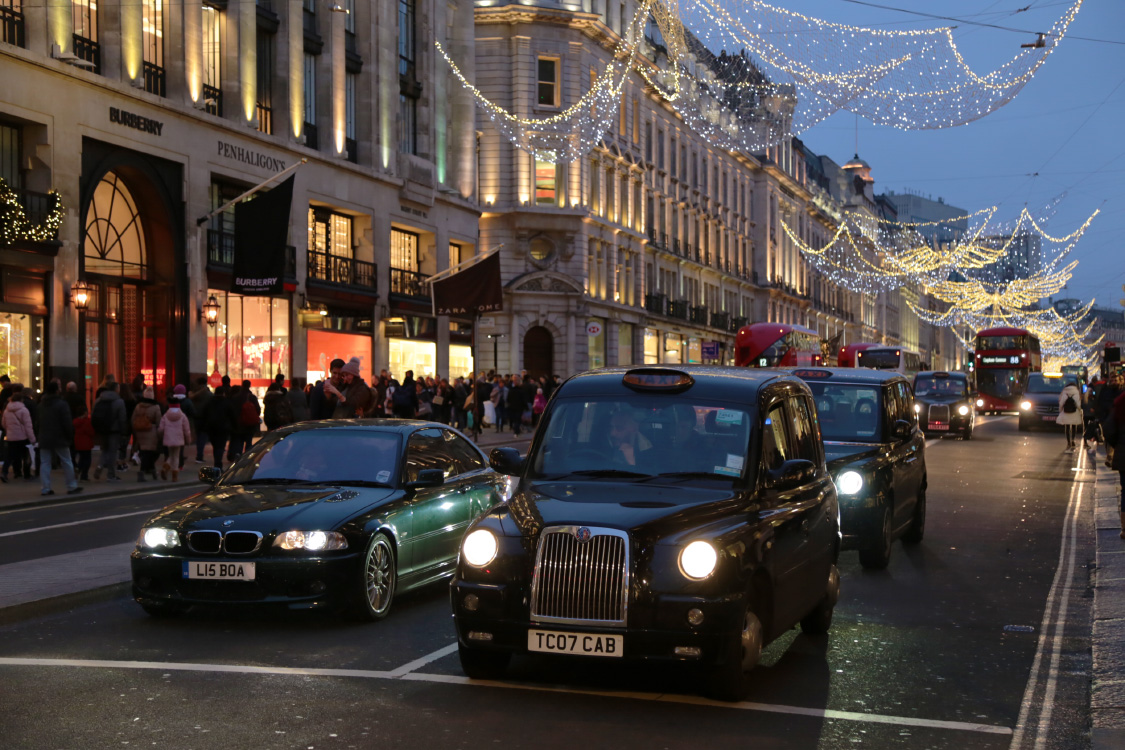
{"type": "Point", "coordinates": [15, 224]}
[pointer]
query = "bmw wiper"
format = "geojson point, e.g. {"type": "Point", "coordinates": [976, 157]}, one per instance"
{"type": "Point", "coordinates": [356, 483]}
{"type": "Point", "coordinates": [282, 480]}
{"type": "Point", "coordinates": [611, 473]}
{"type": "Point", "coordinates": [693, 475]}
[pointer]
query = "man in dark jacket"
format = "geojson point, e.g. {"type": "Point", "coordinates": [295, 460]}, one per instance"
{"type": "Point", "coordinates": [247, 421]}
{"type": "Point", "coordinates": [110, 422]}
{"type": "Point", "coordinates": [217, 418]}
{"type": "Point", "coordinates": [405, 398]}
{"type": "Point", "coordinates": [517, 404]}
{"type": "Point", "coordinates": [199, 398]}
{"type": "Point", "coordinates": [321, 405]}
{"type": "Point", "coordinates": [298, 401]}
{"type": "Point", "coordinates": [56, 433]}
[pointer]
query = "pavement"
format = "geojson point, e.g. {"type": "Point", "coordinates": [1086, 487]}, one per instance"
{"type": "Point", "coordinates": [55, 584]}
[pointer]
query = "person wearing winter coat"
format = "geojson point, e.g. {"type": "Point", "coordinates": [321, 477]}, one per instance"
{"type": "Point", "coordinates": [109, 425]}
{"type": "Point", "coordinates": [352, 394]}
{"type": "Point", "coordinates": [56, 434]}
{"type": "Point", "coordinates": [84, 439]}
{"type": "Point", "coordinates": [1070, 413]}
{"type": "Point", "coordinates": [175, 433]}
{"type": "Point", "coordinates": [199, 398]}
{"type": "Point", "coordinates": [146, 425]}
{"type": "Point", "coordinates": [538, 406]}
{"type": "Point", "coordinates": [298, 400]}
{"type": "Point", "coordinates": [516, 404]}
{"type": "Point", "coordinates": [18, 434]}
{"type": "Point", "coordinates": [217, 419]}
{"type": "Point", "coordinates": [275, 407]}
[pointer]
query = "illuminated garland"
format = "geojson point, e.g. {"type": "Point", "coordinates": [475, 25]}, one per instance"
{"type": "Point", "coordinates": [787, 73]}
{"type": "Point", "coordinates": [14, 224]}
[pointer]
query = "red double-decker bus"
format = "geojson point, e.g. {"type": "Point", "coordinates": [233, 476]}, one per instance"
{"type": "Point", "coordinates": [1002, 359]}
{"type": "Point", "coordinates": [776, 345]}
{"type": "Point", "coordinates": [847, 354]}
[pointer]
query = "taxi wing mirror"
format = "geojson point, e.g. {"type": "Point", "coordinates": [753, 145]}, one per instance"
{"type": "Point", "coordinates": [427, 478]}
{"type": "Point", "coordinates": [506, 461]}
{"type": "Point", "coordinates": [792, 473]}
{"type": "Point", "coordinates": [903, 429]}
{"type": "Point", "coordinates": [210, 474]}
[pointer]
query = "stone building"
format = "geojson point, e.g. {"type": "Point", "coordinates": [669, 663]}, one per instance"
{"type": "Point", "coordinates": [147, 116]}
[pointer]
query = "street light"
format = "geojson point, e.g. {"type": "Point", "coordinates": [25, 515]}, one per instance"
{"type": "Point", "coordinates": [210, 311]}
{"type": "Point", "coordinates": [80, 295]}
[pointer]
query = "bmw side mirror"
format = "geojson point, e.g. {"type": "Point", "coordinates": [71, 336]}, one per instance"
{"type": "Point", "coordinates": [210, 474]}
{"type": "Point", "coordinates": [427, 478]}
{"type": "Point", "coordinates": [506, 461]}
{"type": "Point", "coordinates": [792, 473]}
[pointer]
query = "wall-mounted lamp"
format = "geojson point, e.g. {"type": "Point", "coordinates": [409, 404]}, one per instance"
{"type": "Point", "coordinates": [210, 311]}
{"type": "Point", "coordinates": [80, 295]}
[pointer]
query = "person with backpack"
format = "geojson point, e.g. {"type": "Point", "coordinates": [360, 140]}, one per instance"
{"type": "Point", "coordinates": [1070, 413]}
{"type": "Point", "coordinates": [175, 433]}
{"type": "Point", "coordinates": [56, 434]}
{"type": "Point", "coordinates": [109, 423]}
{"type": "Point", "coordinates": [247, 421]}
{"type": "Point", "coordinates": [146, 423]}
{"type": "Point", "coordinates": [18, 435]}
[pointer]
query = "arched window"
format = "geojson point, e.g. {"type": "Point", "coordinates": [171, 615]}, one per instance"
{"type": "Point", "coordinates": [115, 240]}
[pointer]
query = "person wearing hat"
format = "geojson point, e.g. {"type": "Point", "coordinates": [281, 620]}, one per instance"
{"type": "Point", "coordinates": [146, 421]}
{"type": "Point", "coordinates": [352, 394]}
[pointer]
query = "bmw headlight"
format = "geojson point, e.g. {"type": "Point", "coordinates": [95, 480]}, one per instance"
{"type": "Point", "coordinates": [313, 541]}
{"type": "Point", "coordinates": [698, 560]}
{"type": "Point", "coordinates": [1025, 405]}
{"type": "Point", "coordinates": [479, 548]}
{"type": "Point", "coordinates": [963, 410]}
{"type": "Point", "coordinates": [158, 537]}
{"type": "Point", "coordinates": [849, 483]}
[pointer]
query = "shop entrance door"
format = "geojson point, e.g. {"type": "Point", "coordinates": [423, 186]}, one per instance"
{"type": "Point", "coordinates": [539, 352]}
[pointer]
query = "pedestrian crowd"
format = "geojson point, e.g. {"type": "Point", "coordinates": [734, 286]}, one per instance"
{"type": "Point", "coordinates": [133, 430]}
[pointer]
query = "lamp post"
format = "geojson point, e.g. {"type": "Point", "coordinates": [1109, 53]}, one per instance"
{"type": "Point", "coordinates": [495, 356]}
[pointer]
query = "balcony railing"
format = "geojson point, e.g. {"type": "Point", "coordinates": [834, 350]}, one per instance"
{"type": "Point", "coordinates": [88, 50]}
{"type": "Point", "coordinates": [154, 79]}
{"type": "Point", "coordinates": [720, 320]}
{"type": "Point", "coordinates": [265, 119]}
{"type": "Point", "coordinates": [410, 283]}
{"type": "Point", "coordinates": [339, 269]}
{"type": "Point", "coordinates": [656, 303]}
{"type": "Point", "coordinates": [736, 323]}
{"type": "Point", "coordinates": [678, 308]}
{"type": "Point", "coordinates": [213, 100]}
{"type": "Point", "coordinates": [698, 314]}
{"type": "Point", "coordinates": [36, 206]}
{"type": "Point", "coordinates": [11, 26]}
{"type": "Point", "coordinates": [220, 252]}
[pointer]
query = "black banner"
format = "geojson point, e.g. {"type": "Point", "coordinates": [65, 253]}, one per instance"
{"type": "Point", "coordinates": [473, 291]}
{"type": "Point", "coordinates": [261, 229]}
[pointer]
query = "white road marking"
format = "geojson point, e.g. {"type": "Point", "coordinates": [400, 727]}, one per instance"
{"type": "Point", "coordinates": [1058, 597]}
{"type": "Point", "coordinates": [411, 666]}
{"type": "Point", "coordinates": [148, 512]}
{"type": "Point", "coordinates": [400, 674]}
{"type": "Point", "coordinates": [88, 500]}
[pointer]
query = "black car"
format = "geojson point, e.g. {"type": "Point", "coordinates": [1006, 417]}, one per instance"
{"type": "Point", "coordinates": [676, 514]}
{"type": "Point", "coordinates": [877, 455]}
{"type": "Point", "coordinates": [343, 512]}
{"type": "Point", "coordinates": [1039, 405]}
{"type": "Point", "coordinates": [944, 404]}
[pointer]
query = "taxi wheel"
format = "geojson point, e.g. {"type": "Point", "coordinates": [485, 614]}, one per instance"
{"type": "Point", "coordinates": [819, 620]}
{"type": "Point", "coordinates": [917, 528]}
{"type": "Point", "coordinates": [727, 681]}
{"type": "Point", "coordinates": [877, 555]}
{"type": "Point", "coordinates": [968, 433]}
{"type": "Point", "coordinates": [483, 665]}
{"type": "Point", "coordinates": [376, 587]}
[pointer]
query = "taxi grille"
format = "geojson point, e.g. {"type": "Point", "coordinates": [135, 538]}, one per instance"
{"type": "Point", "coordinates": [939, 412]}
{"type": "Point", "coordinates": [581, 582]}
{"type": "Point", "coordinates": [1046, 408]}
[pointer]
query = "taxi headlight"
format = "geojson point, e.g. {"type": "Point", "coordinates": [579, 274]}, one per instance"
{"type": "Point", "coordinates": [850, 482]}
{"type": "Point", "coordinates": [313, 541]}
{"type": "Point", "coordinates": [698, 560]}
{"type": "Point", "coordinates": [917, 408]}
{"type": "Point", "coordinates": [980, 402]}
{"type": "Point", "coordinates": [479, 548]}
{"type": "Point", "coordinates": [1025, 405]}
{"type": "Point", "coordinates": [158, 537]}
{"type": "Point", "coordinates": [962, 410]}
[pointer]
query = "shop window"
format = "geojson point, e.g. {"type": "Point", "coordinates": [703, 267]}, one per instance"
{"type": "Point", "coordinates": [250, 340]}
{"type": "Point", "coordinates": [419, 356]}
{"type": "Point", "coordinates": [595, 333]}
{"type": "Point", "coordinates": [21, 349]}
{"type": "Point", "coordinates": [325, 346]}
{"type": "Point", "coordinates": [652, 346]}
{"type": "Point", "coordinates": [460, 361]}
{"type": "Point", "coordinates": [625, 344]}
{"type": "Point", "coordinates": [114, 242]}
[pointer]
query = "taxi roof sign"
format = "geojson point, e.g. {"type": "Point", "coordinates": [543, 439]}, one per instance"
{"type": "Point", "coordinates": [658, 380]}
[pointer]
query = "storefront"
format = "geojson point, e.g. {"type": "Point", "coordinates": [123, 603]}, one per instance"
{"type": "Point", "coordinates": [625, 344]}
{"type": "Point", "coordinates": [412, 345]}
{"type": "Point", "coordinates": [674, 349]}
{"type": "Point", "coordinates": [325, 346]}
{"type": "Point", "coordinates": [596, 340]}
{"type": "Point", "coordinates": [21, 348]}
{"type": "Point", "coordinates": [652, 346]}
{"type": "Point", "coordinates": [250, 339]}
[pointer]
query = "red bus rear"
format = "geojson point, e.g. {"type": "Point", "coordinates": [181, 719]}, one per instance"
{"type": "Point", "coordinates": [1002, 359]}
{"type": "Point", "coordinates": [847, 355]}
{"type": "Point", "coordinates": [776, 345]}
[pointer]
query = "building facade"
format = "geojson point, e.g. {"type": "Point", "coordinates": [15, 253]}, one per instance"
{"type": "Point", "coordinates": [146, 117]}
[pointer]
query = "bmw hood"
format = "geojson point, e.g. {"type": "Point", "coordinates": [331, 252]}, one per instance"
{"type": "Point", "coordinates": [267, 509]}
{"type": "Point", "coordinates": [626, 506]}
{"type": "Point", "coordinates": [838, 455]}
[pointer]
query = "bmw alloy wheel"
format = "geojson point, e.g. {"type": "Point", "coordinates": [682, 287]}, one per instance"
{"type": "Point", "coordinates": [379, 579]}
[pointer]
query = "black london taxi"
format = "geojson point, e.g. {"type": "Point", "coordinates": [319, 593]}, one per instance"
{"type": "Point", "coordinates": [877, 455]}
{"type": "Point", "coordinates": [678, 514]}
{"type": "Point", "coordinates": [943, 402]}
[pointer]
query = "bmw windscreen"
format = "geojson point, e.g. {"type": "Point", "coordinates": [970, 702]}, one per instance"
{"type": "Point", "coordinates": [658, 438]}
{"type": "Point", "coordinates": [848, 413]}
{"type": "Point", "coordinates": [363, 457]}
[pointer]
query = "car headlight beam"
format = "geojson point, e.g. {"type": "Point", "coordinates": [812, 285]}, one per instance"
{"type": "Point", "coordinates": [479, 548]}
{"type": "Point", "coordinates": [698, 560]}
{"type": "Point", "coordinates": [849, 482]}
{"type": "Point", "coordinates": [1025, 405]}
{"type": "Point", "coordinates": [154, 537]}
{"type": "Point", "coordinates": [963, 410]}
{"type": "Point", "coordinates": [313, 541]}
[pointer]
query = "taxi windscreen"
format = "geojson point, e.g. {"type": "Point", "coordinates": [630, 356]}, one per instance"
{"type": "Point", "coordinates": [847, 412]}
{"type": "Point", "coordinates": [665, 437]}
{"type": "Point", "coordinates": [945, 386]}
